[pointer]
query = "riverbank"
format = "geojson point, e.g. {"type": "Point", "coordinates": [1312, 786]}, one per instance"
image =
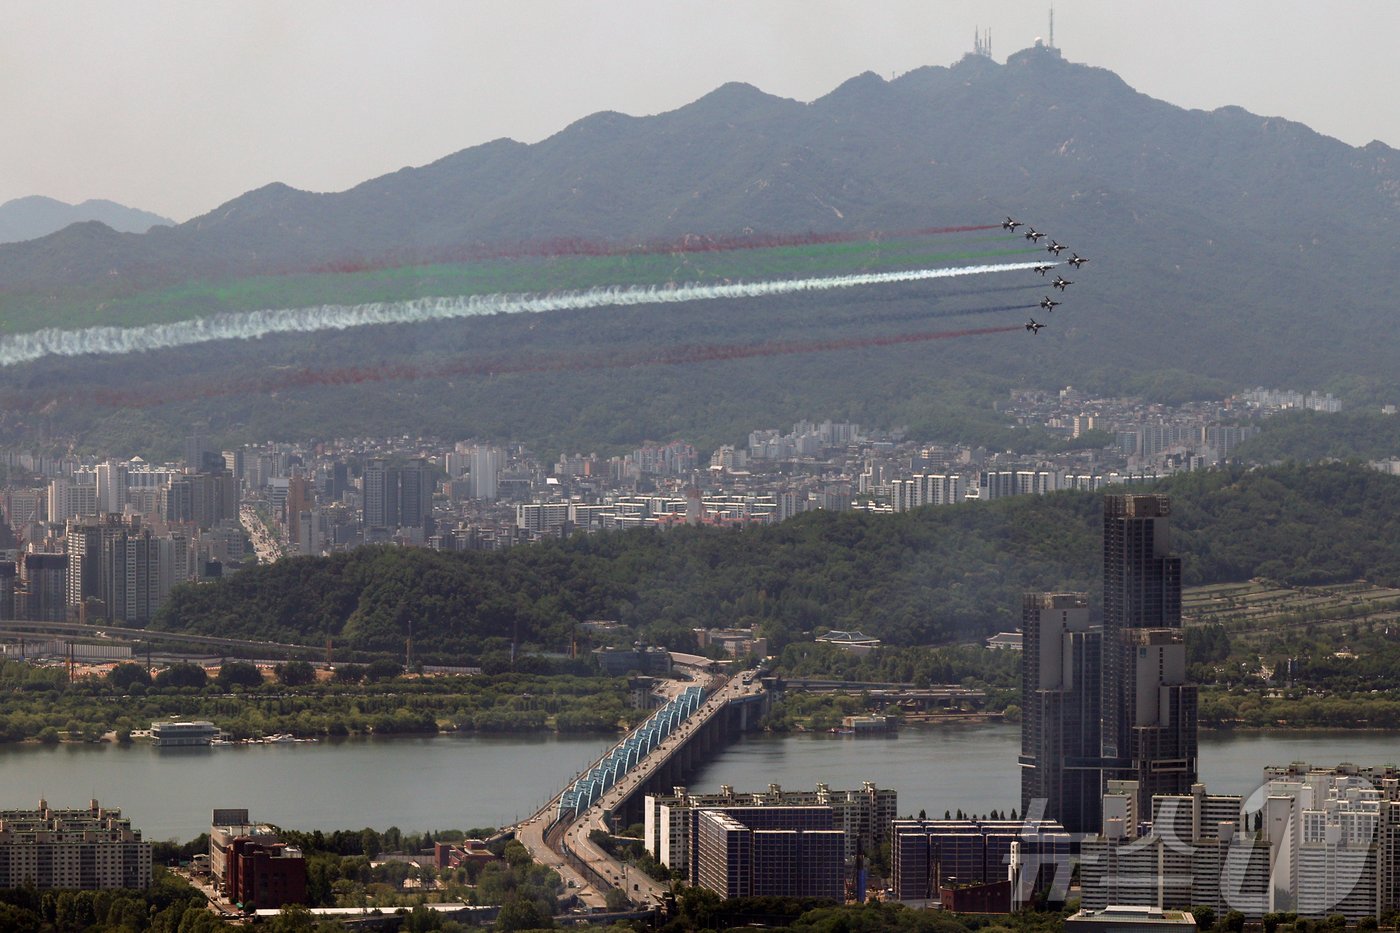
{"type": "Point", "coordinates": [40, 704]}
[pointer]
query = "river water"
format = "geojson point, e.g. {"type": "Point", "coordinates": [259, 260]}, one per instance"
{"type": "Point", "coordinates": [461, 781]}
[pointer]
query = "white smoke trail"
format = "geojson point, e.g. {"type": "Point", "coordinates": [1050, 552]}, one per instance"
{"type": "Point", "coordinates": [249, 325]}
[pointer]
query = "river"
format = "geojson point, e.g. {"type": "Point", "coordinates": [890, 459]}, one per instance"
{"type": "Point", "coordinates": [460, 781]}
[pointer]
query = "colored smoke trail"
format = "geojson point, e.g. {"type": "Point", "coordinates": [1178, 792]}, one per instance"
{"type": "Point", "coordinates": [935, 314]}
{"type": "Point", "coordinates": [250, 325]}
{"type": "Point", "coordinates": [143, 397]}
{"type": "Point", "coordinates": [690, 243]}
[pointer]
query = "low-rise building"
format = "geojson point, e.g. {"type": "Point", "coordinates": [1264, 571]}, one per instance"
{"type": "Point", "coordinates": [618, 662]}
{"type": "Point", "coordinates": [857, 643]}
{"type": "Point", "coordinates": [735, 642]}
{"type": "Point", "coordinates": [469, 851]}
{"type": "Point", "coordinates": [177, 734]}
{"type": "Point", "coordinates": [1121, 919]}
{"type": "Point", "coordinates": [226, 825]}
{"type": "Point", "coordinates": [265, 874]}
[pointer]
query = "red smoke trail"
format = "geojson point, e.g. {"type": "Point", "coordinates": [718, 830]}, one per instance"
{"type": "Point", "coordinates": [562, 247]}
{"type": "Point", "coordinates": [402, 372]}
{"type": "Point", "coordinates": [674, 356]}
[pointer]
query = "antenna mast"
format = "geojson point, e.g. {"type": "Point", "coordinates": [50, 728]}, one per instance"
{"type": "Point", "coordinates": [1052, 25]}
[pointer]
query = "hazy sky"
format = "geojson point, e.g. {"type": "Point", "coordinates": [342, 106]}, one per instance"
{"type": "Point", "coordinates": [178, 105]}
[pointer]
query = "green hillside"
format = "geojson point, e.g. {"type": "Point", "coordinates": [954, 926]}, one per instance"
{"type": "Point", "coordinates": [935, 575]}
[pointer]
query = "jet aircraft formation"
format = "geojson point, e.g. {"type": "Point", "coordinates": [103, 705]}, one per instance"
{"type": "Point", "coordinates": [1054, 247]}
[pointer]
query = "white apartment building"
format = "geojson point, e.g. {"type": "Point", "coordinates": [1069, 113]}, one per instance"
{"type": "Point", "coordinates": [77, 849]}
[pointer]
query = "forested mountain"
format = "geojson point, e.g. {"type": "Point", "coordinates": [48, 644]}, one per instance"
{"type": "Point", "coordinates": [934, 575]}
{"type": "Point", "coordinates": [33, 217]}
{"type": "Point", "coordinates": [1226, 248]}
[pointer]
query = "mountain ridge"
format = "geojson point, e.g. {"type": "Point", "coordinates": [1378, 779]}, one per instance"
{"type": "Point", "coordinates": [1228, 247]}
{"type": "Point", "coordinates": [288, 217]}
{"type": "Point", "coordinates": [35, 216]}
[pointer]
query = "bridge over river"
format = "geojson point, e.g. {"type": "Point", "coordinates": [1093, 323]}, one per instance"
{"type": "Point", "coordinates": [698, 719]}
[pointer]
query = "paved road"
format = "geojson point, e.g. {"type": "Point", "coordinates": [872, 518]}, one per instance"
{"type": "Point", "coordinates": [265, 545]}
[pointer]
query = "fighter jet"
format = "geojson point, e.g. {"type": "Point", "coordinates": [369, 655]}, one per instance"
{"type": "Point", "coordinates": [1076, 260]}
{"type": "Point", "coordinates": [1043, 269]}
{"type": "Point", "coordinates": [1009, 224]}
{"type": "Point", "coordinates": [1032, 235]}
{"type": "Point", "coordinates": [1054, 247]}
{"type": "Point", "coordinates": [1049, 303]}
{"type": "Point", "coordinates": [1060, 282]}
{"type": "Point", "coordinates": [1033, 327]}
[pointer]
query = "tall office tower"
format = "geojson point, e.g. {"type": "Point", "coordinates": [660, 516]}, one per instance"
{"type": "Point", "coordinates": [177, 501]}
{"type": "Point", "coordinates": [415, 494]}
{"type": "Point", "coordinates": [1061, 669]}
{"type": "Point", "coordinates": [380, 494]}
{"type": "Point", "coordinates": [213, 498]}
{"type": "Point", "coordinates": [299, 500]}
{"type": "Point", "coordinates": [44, 576]}
{"type": "Point", "coordinates": [234, 461]}
{"type": "Point", "coordinates": [486, 467]}
{"type": "Point", "coordinates": [1149, 710]}
{"type": "Point", "coordinates": [200, 457]}
{"type": "Point", "coordinates": [340, 480]}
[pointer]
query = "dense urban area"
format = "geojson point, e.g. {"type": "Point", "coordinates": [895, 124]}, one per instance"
{"type": "Point", "coordinates": [73, 520]}
{"type": "Point", "coordinates": [101, 543]}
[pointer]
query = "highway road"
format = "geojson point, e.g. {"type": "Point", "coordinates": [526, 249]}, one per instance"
{"type": "Point", "coordinates": [267, 547]}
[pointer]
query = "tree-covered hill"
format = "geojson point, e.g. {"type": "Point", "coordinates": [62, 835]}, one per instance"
{"type": "Point", "coordinates": [937, 574]}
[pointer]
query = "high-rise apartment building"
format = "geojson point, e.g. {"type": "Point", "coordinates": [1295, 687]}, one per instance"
{"type": "Point", "coordinates": [1334, 835]}
{"type": "Point", "coordinates": [768, 851]}
{"type": "Point", "coordinates": [111, 487]}
{"type": "Point", "coordinates": [1060, 710]}
{"type": "Point", "coordinates": [1189, 849]}
{"type": "Point", "coordinates": [927, 855]}
{"type": "Point", "coordinates": [862, 816]}
{"type": "Point", "coordinates": [397, 496]}
{"type": "Point", "coordinates": [130, 575]}
{"type": "Point", "coordinates": [485, 472]}
{"type": "Point", "coordinates": [72, 849]}
{"type": "Point", "coordinates": [1148, 732]}
{"type": "Point", "coordinates": [119, 570]}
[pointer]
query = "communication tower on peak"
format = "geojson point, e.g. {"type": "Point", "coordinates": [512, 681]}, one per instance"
{"type": "Point", "coordinates": [1052, 25]}
{"type": "Point", "coordinates": [982, 44]}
